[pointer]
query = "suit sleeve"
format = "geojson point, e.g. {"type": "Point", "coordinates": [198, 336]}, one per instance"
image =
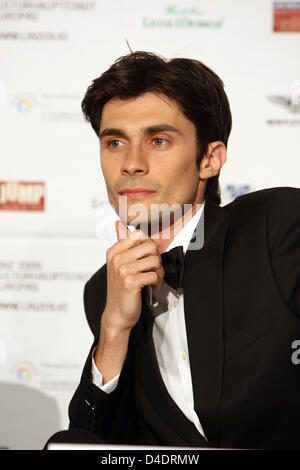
{"type": "Point", "coordinates": [283, 232]}
{"type": "Point", "coordinates": [112, 417]}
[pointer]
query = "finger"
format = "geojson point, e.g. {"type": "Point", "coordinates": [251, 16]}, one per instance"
{"type": "Point", "coordinates": [146, 279]}
{"type": "Point", "coordinates": [138, 250]}
{"type": "Point", "coordinates": [122, 245]}
{"type": "Point", "coordinates": [151, 263]}
{"type": "Point", "coordinates": [138, 234]}
{"type": "Point", "coordinates": [122, 230]}
{"type": "Point", "coordinates": [148, 264]}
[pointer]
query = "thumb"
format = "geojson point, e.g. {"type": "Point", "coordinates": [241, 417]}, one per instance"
{"type": "Point", "coordinates": [122, 230]}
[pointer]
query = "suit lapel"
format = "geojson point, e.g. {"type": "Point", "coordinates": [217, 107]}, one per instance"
{"type": "Point", "coordinates": [173, 424]}
{"type": "Point", "coordinates": [203, 304]}
{"type": "Point", "coordinates": [203, 300]}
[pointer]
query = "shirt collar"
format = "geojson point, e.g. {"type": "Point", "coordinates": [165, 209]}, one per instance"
{"type": "Point", "coordinates": [184, 236]}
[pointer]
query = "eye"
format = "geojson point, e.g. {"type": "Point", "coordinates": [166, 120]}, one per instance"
{"type": "Point", "coordinates": [159, 141]}
{"type": "Point", "coordinates": [114, 143]}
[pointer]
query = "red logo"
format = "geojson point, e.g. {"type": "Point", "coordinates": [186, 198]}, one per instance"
{"type": "Point", "coordinates": [286, 16]}
{"type": "Point", "coordinates": [22, 196]}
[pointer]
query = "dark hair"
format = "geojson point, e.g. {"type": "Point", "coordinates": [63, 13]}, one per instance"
{"type": "Point", "coordinates": [198, 91]}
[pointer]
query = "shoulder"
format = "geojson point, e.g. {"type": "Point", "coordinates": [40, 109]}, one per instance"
{"type": "Point", "coordinates": [267, 212]}
{"type": "Point", "coordinates": [265, 201]}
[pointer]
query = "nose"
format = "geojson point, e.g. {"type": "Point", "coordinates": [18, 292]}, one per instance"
{"type": "Point", "coordinates": [135, 162]}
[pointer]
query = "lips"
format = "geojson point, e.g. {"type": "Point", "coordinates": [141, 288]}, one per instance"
{"type": "Point", "coordinates": [132, 193]}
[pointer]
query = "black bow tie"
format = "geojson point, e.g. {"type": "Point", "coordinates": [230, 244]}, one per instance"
{"type": "Point", "coordinates": [173, 264]}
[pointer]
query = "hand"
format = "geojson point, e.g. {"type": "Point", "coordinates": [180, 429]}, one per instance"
{"type": "Point", "coordinates": [132, 263]}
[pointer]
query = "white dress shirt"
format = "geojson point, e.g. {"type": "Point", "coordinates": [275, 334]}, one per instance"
{"type": "Point", "coordinates": [169, 337]}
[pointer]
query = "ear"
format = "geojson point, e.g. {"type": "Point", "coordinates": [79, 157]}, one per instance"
{"type": "Point", "coordinates": [213, 160]}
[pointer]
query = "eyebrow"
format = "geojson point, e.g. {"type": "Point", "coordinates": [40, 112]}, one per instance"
{"type": "Point", "coordinates": [146, 131]}
{"type": "Point", "coordinates": [161, 128]}
{"type": "Point", "coordinates": [111, 131]}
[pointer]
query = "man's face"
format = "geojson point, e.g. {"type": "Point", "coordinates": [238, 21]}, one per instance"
{"type": "Point", "coordinates": [147, 142]}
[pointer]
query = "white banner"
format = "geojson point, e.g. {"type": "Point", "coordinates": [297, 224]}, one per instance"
{"type": "Point", "coordinates": [55, 219]}
{"type": "Point", "coordinates": [44, 336]}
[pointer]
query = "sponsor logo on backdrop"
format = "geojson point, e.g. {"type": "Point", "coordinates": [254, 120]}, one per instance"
{"type": "Point", "coordinates": [50, 107]}
{"type": "Point", "coordinates": [24, 103]}
{"type": "Point", "coordinates": [22, 196]}
{"type": "Point", "coordinates": [36, 36]}
{"type": "Point", "coordinates": [289, 102]}
{"type": "Point", "coordinates": [175, 16]}
{"type": "Point", "coordinates": [35, 12]}
{"type": "Point", "coordinates": [59, 375]}
{"type": "Point", "coordinates": [33, 276]}
{"type": "Point", "coordinates": [23, 371]}
{"type": "Point", "coordinates": [47, 375]}
{"type": "Point", "coordinates": [232, 191]}
{"type": "Point", "coordinates": [286, 16]}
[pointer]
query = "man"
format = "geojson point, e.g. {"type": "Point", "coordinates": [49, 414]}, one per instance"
{"type": "Point", "coordinates": [207, 361]}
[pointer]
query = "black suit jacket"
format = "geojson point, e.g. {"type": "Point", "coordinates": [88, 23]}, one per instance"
{"type": "Point", "coordinates": [242, 314]}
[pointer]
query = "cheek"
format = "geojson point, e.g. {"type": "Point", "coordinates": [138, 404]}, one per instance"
{"type": "Point", "coordinates": [185, 180]}
{"type": "Point", "coordinates": [103, 168]}
{"type": "Point", "coordinates": [109, 171]}
{"type": "Point", "coordinates": [184, 171]}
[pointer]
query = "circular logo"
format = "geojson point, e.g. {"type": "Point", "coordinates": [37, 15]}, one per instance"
{"type": "Point", "coordinates": [24, 105]}
{"type": "Point", "coordinates": [24, 102]}
{"type": "Point", "coordinates": [24, 373]}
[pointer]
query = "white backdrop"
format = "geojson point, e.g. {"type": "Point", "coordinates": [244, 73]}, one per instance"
{"type": "Point", "coordinates": [55, 220]}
